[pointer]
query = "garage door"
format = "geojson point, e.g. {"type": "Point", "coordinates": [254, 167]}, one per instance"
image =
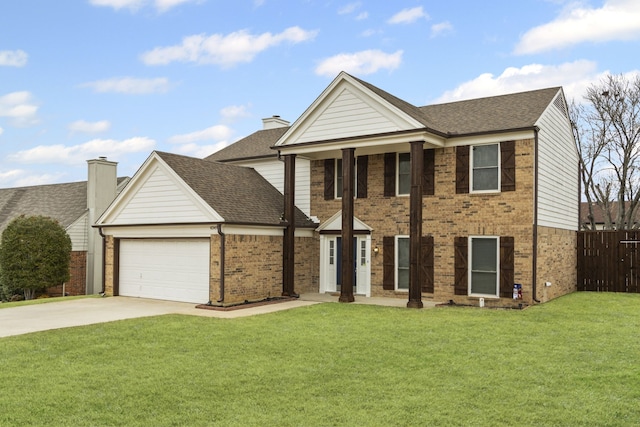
{"type": "Point", "coordinates": [172, 269]}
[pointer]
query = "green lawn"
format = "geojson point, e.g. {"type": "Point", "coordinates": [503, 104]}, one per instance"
{"type": "Point", "coordinates": [574, 361]}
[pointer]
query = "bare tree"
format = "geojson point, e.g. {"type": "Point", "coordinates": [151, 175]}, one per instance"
{"type": "Point", "coordinates": [607, 134]}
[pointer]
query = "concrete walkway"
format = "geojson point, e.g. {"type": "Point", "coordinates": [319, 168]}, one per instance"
{"type": "Point", "coordinates": [87, 311]}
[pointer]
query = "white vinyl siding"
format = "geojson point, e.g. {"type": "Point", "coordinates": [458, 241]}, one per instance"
{"type": "Point", "coordinates": [273, 172]}
{"type": "Point", "coordinates": [161, 196]}
{"type": "Point", "coordinates": [558, 179]}
{"type": "Point", "coordinates": [174, 270]}
{"type": "Point", "coordinates": [347, 115]}
{"type": "Point", "coordinates": [77, 232]}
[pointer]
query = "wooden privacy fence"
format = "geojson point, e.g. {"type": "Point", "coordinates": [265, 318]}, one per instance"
{"type": "Point", "coordinates": [609, 261]}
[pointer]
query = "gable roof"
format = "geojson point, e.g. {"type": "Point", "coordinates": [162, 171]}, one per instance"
{"type": "Point", "coordinates": [63, 202]}
{"type": "Point", "coordinates": [239, 194]}
{"type": "Point", "coordinates": [255, 146]}
{"type": "Point", "coordinates": [495, 113]}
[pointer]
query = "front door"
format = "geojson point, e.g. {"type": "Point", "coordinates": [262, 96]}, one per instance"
{"type": "Point", "coordinates": [339, 264]}
{"type": "Point", "coordinates": [331, 280]}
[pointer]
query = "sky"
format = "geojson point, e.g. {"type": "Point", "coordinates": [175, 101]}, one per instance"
{"type": "Point", "coordinates": [80, 79]}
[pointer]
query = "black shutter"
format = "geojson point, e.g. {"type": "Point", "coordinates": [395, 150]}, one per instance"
{"type": "Point", "coordinates": [426, 264]}
{"type": "Point", "coordinates": [428, 173]}
{"type": "Point", "coordinates": [363, 165]}
{"type": "Point", "coordinates": [388, 263]}
{"type": "Point", "coordinates": [329, 179]}
{"type": "Point", "coordinates": [508, 166]}
{"type": "Point", "coordinates": [462, 169]}
{"type": "Point", "coordinates": [506, 266]}
{"type": "Point", "coordinates": [461, 265]}
{"type": "Point", "coordinates": [389, 174]}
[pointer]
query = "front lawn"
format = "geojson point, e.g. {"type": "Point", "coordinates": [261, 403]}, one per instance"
{"type": "Point", "coordinates": [574, 361]}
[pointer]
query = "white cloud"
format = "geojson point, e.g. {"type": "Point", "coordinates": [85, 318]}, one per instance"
{"type": "Point", "coordinates": [82, 126]}
{"type": "Point", "coordinates": [135, 5]}
{"type": "Point", "coordinates": [441, 29]}
{"type": "Point", "coordinates": [359, 63]}
{"type": "Point", "coordinates": [213, 133]}
{"type": "Point", "coordinates": [13, 58]}
{"type": "Point", "coordinates": [75, 154]}
{"type": "Point", "coordinates": [42, 179]}
{"type": "Point", "coordinates": [224, 50]}
{"type": "Point", "coordinates": [130, 85]}
{"type": "Point", "coordinates": [233, 112]}
{"type": "Point", "coordinates": [1, 131]}
{"type": "Point", "coordinates": [362, 16]}
{"type": "Point", "coordinates": [19, 107]}
{"type": "Point", "coordinates": [575, 77]}
{"type": "Point", "coordinates": [200, 151]}
{"type": "Point", "coordinates": [349, 8]}
{"type": "Point", "coordinates": [10, 175]}
{"type": "Point", "coordinates": [615, 20]}
{"type": "Point", "coordinates": [408, 16]}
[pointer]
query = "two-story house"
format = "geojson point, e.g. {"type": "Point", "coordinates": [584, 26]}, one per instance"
{"type": "Point", "coordinates": [458, 201]}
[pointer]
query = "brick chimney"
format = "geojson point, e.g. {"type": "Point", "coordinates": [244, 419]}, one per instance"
{"type": "Point", "coordinates": [274, 122]}
{"type": "Point", "coordinates": [101, 190]}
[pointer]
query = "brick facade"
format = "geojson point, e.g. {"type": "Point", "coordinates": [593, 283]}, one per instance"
{"type": "Point", "coordinates": [109, 265]}
{"type": "Point", "coordinates": [447, 215]}
{"type": "Point", "coordinates": [77, 283]}
{"type": "Point", "coordinates": [557, 262]}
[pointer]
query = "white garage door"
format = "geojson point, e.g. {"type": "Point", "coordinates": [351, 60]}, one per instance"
{"type": "Point", "coordinates": [172, 269]}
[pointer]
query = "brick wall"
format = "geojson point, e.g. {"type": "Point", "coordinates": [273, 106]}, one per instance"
{"type": "Point", "coordinates": [253, 267]}
{"type": "Point", "coordinates": [307, 273]}
{"type": "Point", "coordinates": [76, 285]}
{"type": "Point", "coordinates": [109, 266]}
{"type": "Point", "coordinates": [557, 263]}
{"type": "Point", "coordinates": [446, 215]}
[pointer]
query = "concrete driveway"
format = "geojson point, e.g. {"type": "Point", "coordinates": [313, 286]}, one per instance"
{"type": "Point", "coordinates": [87, 311]}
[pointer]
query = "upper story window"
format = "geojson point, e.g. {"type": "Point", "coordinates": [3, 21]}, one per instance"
{"type": "Point", "coordinates": [485, 164]}
{"type": "Point", "coordinates": [487, 168]}
{"type": "Point", "coordinates": [339, 178]}
{"type": "Point", "coordinates": [404, 174]}
{"type": "Point", "coordinates": [333, 185]}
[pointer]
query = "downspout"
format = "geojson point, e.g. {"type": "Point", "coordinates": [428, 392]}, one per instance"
{"type": "Point", "coordinates": [222, 238]}
{"type": "Point", "coordinates": [104, 255]}
{"type": "Point", "coordinates": [534, 286]}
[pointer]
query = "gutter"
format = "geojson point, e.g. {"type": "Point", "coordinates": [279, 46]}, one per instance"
{"type": "Point", "coordinates": [222, 256]}
{"type": "Point", "coordinates": [534, 284]}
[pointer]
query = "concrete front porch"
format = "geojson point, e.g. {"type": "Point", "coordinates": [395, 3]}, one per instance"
{"type": "Point", "coordinates": [359, 299]}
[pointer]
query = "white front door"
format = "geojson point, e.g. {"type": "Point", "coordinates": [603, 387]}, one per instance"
{"type": "Point", "coordinates": [331, 266]}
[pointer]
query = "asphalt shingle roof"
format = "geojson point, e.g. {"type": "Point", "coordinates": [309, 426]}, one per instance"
{"type": "Point", "coordinates": [256, 145]}
{"type": "Point", "coordinates": [63, 202]}
{"type": "Point", "coordinates": [239, 194]}
{"type": "Point", "coordinates": [495, 113]}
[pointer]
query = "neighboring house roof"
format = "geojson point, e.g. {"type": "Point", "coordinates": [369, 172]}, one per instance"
{"type": "Point", "coordinates": [63, 202]}
{"type": "Point", "coordinates": [239, 194]}
{"type": "Point", "coordinates": [256, 145]}
{"type": "Point", "coordinates": [598, 213]}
